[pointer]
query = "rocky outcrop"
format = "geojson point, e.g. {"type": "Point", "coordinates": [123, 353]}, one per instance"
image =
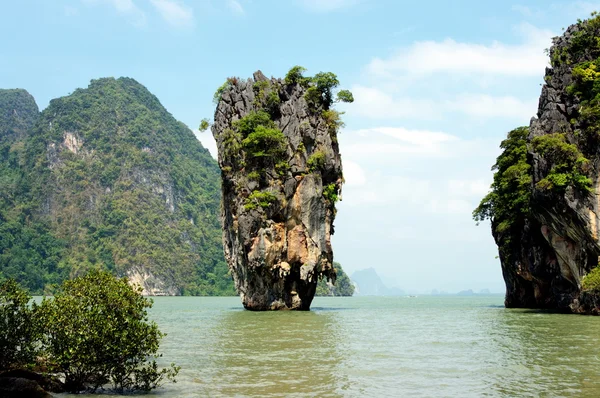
{"type": "Point", "coordinates": [557, 243]}
{"type": "Point", "coordinates": [26, 383]}
{"type": "Point", "coordinates": [279, 189]}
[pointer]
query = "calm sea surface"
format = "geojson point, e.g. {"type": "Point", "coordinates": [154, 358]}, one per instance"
{"type": "Point", "coordinates": [377, 347]}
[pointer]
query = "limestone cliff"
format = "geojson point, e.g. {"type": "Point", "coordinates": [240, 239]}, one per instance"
{"type": "Point", "coordinates": [547, 228]}
{"type": "Point", "coordinates": [281, 176]}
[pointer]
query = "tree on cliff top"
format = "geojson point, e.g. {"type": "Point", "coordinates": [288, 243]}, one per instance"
{"type": "Point", "coordinates": [510, 193]}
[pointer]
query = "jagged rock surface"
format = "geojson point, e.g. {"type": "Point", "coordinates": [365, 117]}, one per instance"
{"type": "Point", "coordinates": [276, 254]}
{"type": "Point", "coordinates": [558, 244]}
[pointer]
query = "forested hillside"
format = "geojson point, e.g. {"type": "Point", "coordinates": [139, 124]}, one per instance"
{"type": "Point", "coordinates": [107, 178]}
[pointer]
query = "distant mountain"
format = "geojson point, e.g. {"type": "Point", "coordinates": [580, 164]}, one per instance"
{"type": "Point", "coordinates": [370, 284]}
{"type": "Point", "coordinates": [106, 177]}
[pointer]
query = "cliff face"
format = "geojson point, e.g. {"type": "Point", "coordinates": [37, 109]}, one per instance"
{"type": "Point", "coordinates": [549, 252]}
{"type": "Point", "coordinates": [281, 176]}
{"type": "Point", "coordinates": [110, 179]}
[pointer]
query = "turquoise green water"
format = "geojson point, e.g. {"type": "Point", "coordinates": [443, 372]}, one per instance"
{"type": "Point", "coordinates": [377, 347]}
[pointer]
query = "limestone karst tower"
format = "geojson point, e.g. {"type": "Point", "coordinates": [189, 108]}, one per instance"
{"type": "Point", "coordinates": [281, 176]}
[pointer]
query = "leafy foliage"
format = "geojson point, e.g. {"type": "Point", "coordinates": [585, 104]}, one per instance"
{"type": "Point", "coordinates": [267, 143]}
{"type": "Point", "coordinates": [343, 285]}
{"type": "Point", "coordinates": [204, 125]}
{"type": "Point", "coordinates": [260, 199]}
{"type": "Point", "coordinates": [29, 251]}
{"type": "Point", "coordinates": [330, 193]}
{"type": "Point", "coordinates": [320, 88]}
{"type": "Point", "coordinates": [107, 178]}
{"type": "Point", "coordinates": [257, 139]}
{"type": "Point", "coordinates": [19, 333]}
{"type": "Point", "coordinates": [345, 96]}
{"type": "Point", "coordinates": [586, 88]}
{"type": "Point", "coordinates": [568, 164]}
{"type": "Point", "coordinates": [324, 83]}
{"type": "Point", "coordinates": [219, 93]}
{"type": "Point", "coordinates": [98, 332]}
{"type": "Point", "coordinates": [334, 122]}
{"type": "Point", "coordinates": [296, 76]}
{"type": "Point", "coordinates": [509, 199]}
{"type": "Point", "coordinates": [582, 54]}
{"type": "Point", "coordinates": [316, 161]}
{"type": "Point", "coordinates": [251, 121]}
{"type": "Point", "coordinates": [267, 96]}
{"type": "Point", "coordinates": [591, 281]}
{"type": "Point", "coordinates": [583, 44]}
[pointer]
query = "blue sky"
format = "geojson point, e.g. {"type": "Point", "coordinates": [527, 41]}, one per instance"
{"type": "Point", "coordinates": [437, 86]}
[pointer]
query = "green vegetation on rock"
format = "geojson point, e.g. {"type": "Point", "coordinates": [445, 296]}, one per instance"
{"type": "Point", "coordinates": [582, 56]}
{"type": "Point", "coordinates": [330, 193]}
{"type": "Point", "coordinates": [222, 88]}
{"type": "Point", "coordinates": [508, 203]}
{"type": "Point", "coordinates": [264, 144]}
{"type": "Point", "coordinates": [343, 285]}
{"type": "Point", "coordinates": [107, 178]}
{"type": "Point", "coordinates": [320, 88]}
{"type": "Point", "coordinates": [316, 161]}
{"type": "Point", "coordinates": [260, 199]}
{"type": "Point", "coordinates": [591, 281]}
{"type": "Point", "coordinates": [204, 125]}
{"type": "Point", "coordinates": [569, 166]}
{"type": "Point", "coordinates": [296, 76]}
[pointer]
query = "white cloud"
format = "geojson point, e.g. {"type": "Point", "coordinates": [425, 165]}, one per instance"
{"type": "Point", "coordinates": [381, 141]}
{"type": "Point", "coordinates": [354, 175]}
{"type": "Point", "coordinates": [235, 6]}
{"type": "Point", "coordinates": [487, 106]}
{"type": "Point", "coordinates": [124, 7]}
{"type": "Point", "coordinates": [478, 188]}
{"type": "Point", "coordinates": [326, 5]}
{"type": "Point", "coordinates": [374, 103]}
{"type": "Point", "coordinates": [175, 13]}
{"type": "Point", "coordinates": [421, 172]}
{"type": "Point", "coordinates": [449, 56]}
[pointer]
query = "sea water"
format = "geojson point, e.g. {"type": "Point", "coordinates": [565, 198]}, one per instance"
{"type": "Point", "coordinates": [427, 346]}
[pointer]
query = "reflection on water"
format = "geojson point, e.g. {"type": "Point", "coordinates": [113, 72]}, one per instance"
{"type": "Point", "coordinates": [376, 347]}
